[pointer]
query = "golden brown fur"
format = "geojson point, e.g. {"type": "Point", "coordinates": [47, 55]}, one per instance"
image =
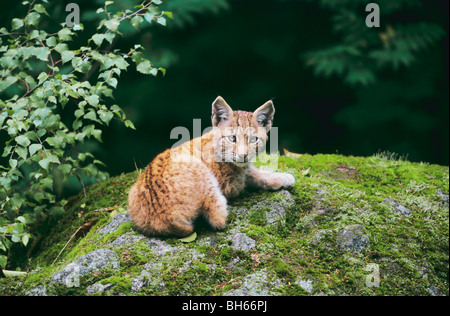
{"type": "Point", "coordinates": [197, 177]}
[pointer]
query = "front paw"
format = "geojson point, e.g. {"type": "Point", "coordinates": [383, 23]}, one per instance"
{"type": "Point", "coordinates": [282, 180]}
{"type": "Point", "coordinates": [289, 180]}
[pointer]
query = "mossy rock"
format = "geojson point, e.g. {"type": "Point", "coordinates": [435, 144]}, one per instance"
{"type": "Point", "coordinates": [318, 238]}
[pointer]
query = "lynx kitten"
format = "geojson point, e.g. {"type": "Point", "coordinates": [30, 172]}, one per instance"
{"type": "Point", "coordinates": [197, 178]}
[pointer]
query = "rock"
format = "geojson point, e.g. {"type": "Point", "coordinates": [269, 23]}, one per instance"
{"type": "Point", "coordinates": [127, 240]}
{"type": "Point", "coordinates": [352, 238]}
{"type": "Point", "coordinates": [98, 288]}
{"type": "Point", "coordinates": [271, 245]}
{"type": "Point", "coordinates": [445, 199]}
{"type": "Point", "coordinates": [434, 291]}
{"type": "Point", "coordinates": [40, 290]}
{"type": "Point", "coordinates": [272, 208]}
{"type": "Point", "coordinates": [398, 208]}
{"type": "Point", "coordinates": [307, 285]}
{"type": "Point", "coordinates": [159, 247]}
{"type": "Point", "coordinates": [241, 242]}
{"type": "Point", "coordinates": [112, 226]}
{"type": "Point", "coordinates": [260, 283]}
{"type": "Point", "coordinates": [90, 262]}
{"type": "Point", "coordinates": [278, 208]}
{"type": "Point", "coordinates": [142, 281]}
{"type": "Point", "coordinates": [320, 235]}
{"type": "Point", "coordinates": [208, 240]}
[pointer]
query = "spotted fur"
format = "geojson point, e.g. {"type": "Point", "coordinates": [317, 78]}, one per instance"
{"type": "Point", "coordinates": [197, 177]}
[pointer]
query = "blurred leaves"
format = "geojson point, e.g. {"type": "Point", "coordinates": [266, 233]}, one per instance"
{"type": "Point", "coordinates": [362, 52]}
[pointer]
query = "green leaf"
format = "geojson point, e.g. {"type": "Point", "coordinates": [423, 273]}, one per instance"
{"type": "Point", "coordinates": [2, 261]}
{"type": "Point", "coordinates": [144, 67]}
{"type": "Point", "coordinates": [161, 21]}
{"type": "Point", "coordinates": [190, 238]}
{"type": "Point", "coordinates": [67, 56]}
{"type": "Point", "coordinates": [137, 57]}
{"type": "Point", "coordinates": [163, 70]}
{"type": "Point", "coordinates": [22, 152]}
{"type": "Point", "coordinates": [93, 100]}
{"type": "Point", "coordinates": [157, 2]}
{"type": "Point", "coordinates": [91, 116]}
{"type": "Point", "coordinates": [7, 82]}
{"type": "Point", "coordinates": [34, 148]}
{"type": "Point", "coordinates": [137, 21]}
{"type": "Point", "coordinates": [42, 53]}
{"type": "Point", "coordinates": [65, 34]}
{"type": "Point", "coordinates": [121, 63]}
{"type": "Point", "coordinates": [22, 140]}
{"type": "Point", "coordinates": [25, 239]}
{"type": "Point", "coordinates": [40, 9]}
{"type": "Point", "coordinates": [97, 133]}
{"type": "Point", "coordinates": [13, 163]}
{"type": "Point", "coordinates": [51, 41]}
{"type": "Point", "coordinates": [65, 168]}
{"type": "Point", "coordinates": [129, 124]}
{"type": "Point", "coordinates": [112, 82]}
{"type": "Point", "coordinates": [78, 27]}
{"type": "Point", "coordinates": [169, 14]}
{"type": "Point", "coordinates": [16, 24]}
{"type": "Point", "coordinates": [306, 172]}
{"type": "Point", "coordinates": [44, 163]}
{"type": "Point", "coordinates": [106, 117]}
{"type": "Point", "coordinates": [32, 19]}
{"type": "Point", "coordinates": [154, 71]}
{"type": "Point", "coordinates": [79, 113]}
{"type": "Point", "coordinates": [98, 39]}
{"type": "Point", "coordinates": [149, 17]}
{"type": "Point", "coordinates": [112, 24]}
{"type": "Point", "coordinates": [12, 274]}
{"type": "Point", "coordinates": [62, 47]}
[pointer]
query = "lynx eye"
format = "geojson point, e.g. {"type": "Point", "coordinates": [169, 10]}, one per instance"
{"type": "Point", "coordinates": [253, 139]}
{"type": "Point", "coordinates": [232, 139]}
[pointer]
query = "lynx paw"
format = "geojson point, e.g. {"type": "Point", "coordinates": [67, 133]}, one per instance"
{"type": "Point", "coordinates": [288, 179]}
{"type": "Point", "coordinates": [282, 180]}
{"type": "Point", "coordinates": [218, 222]}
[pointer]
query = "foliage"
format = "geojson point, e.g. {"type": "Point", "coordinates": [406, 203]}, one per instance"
{"type": "Point", "coordinates": [362, 52]}
{"type": "Point", "coordinates": [42, 77]}
{"type": "Point", "coordinates": [185, 10]}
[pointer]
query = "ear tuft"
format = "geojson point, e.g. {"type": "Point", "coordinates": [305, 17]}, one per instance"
{"type": "Point", "coordinates": [221, 111]}
{"type": "Point", "coordinates": [264, 115]}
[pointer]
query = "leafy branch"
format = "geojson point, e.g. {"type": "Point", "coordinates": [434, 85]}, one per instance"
{"type": "Point", "coordinates": [40, 75]}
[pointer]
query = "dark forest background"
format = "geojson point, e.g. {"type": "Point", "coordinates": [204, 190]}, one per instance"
{"type": "Point", "coordinates": [295, 52]}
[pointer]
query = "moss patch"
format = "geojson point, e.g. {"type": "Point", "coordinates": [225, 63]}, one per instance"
{"type": "Point", "coordinates": [410, 252]}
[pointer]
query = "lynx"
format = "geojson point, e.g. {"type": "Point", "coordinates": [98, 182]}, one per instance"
{"type": "Point", "coordinates": [199, 176]}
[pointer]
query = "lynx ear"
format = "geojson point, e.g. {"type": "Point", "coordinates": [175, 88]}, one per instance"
{"type": "Point", "coordinates": [264, 115]}
{"type": "Point", "coordinates": [221, 111]}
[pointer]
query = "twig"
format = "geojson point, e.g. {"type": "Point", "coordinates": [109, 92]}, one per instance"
{"type": "Point", "coordinates": [65, 246]}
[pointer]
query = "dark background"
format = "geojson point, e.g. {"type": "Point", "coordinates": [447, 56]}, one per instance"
{"type": "Point", "coordinates": [252, 51]}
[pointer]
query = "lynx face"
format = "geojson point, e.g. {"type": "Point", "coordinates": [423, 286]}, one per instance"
{"type": "Point", "coordinates": [239, 136]}
{"type": "Point", "coordinates": [239, 144]}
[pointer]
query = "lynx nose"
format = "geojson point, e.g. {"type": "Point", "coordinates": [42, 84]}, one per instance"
{"type": "Point", "coordinates": [242, 157]}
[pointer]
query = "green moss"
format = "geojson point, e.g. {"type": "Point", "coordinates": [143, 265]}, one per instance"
{"type": "Point", "coordinates": [282, 269]}
{"type": "Point", "coordinates": [119, 284]}
{"type": "Point", "coordinates": [257, 216]}
{"type": "Point", "coordinates": [411, 252]}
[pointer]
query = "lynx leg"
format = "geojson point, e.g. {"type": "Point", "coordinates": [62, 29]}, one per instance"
{"type": "Point", "coordinates": [215, 207]}
{"type": "Point", "coordinates": [180, 221]}
{"type": "Point", "coordinates": [267, 180]}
